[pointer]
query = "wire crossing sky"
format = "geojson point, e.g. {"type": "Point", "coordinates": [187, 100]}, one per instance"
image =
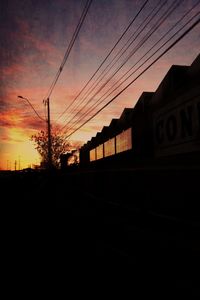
{"type": "Point", "coordinates": [107, 56]}
{"type": "Point", "coordinates": [158, 23]}
{"type": "Point", "coordinates": [166, 50]}
{"type": "Point", "coordinates": [69, 48]}
{"type": "Point", "coordinates": [106, 44]}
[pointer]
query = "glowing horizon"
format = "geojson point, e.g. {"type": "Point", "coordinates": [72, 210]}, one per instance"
{"type": "Point", "coordinates": [35, 38]}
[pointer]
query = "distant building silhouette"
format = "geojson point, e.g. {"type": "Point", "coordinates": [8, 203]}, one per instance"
{"type": "Point", "coordinates": [164, 123]}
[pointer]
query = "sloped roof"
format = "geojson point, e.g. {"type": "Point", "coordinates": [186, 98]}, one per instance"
{"type": "Point", "coordinates": [142, 101]}
{"type": "Point", "coordinates": [113, 123]}
{"type": "Point", "coordinates": [194, 69]}
{"type": "Point", "coordinates": [173, 80]}
{"type": "Point", "coordinates": [125, 114]}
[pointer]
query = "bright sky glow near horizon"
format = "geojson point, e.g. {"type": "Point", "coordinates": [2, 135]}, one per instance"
{"type": "Point", "coordinates": [34, 37]}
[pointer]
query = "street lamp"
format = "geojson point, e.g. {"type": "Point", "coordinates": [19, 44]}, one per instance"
{"type": "Point", "coordinates": [32, 107]}
{"type": "Point", "coordinates": [48, 127]}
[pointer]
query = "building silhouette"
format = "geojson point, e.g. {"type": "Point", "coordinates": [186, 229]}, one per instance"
{"type": "Point", "coordinates": [163, 125]}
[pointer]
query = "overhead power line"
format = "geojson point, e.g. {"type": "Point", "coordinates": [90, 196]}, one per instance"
{"type": "Point", "coordinates": [75, 34]}
{"type": "Point", "coordinates": [154, 11]}
{"type": "Point", "coordinates": [136, 48]}
{"type": "Point", "coordinates": [99, 102]}
{"type": "Point", "coordinates": [105, 59]}
{"type": "Point", "coordinates": [143, 71]}
{"type": "Point", "coordinates": [172, 28]}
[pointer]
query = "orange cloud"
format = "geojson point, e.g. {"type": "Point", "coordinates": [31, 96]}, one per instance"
{"type": "Point", "coordinates": [15, 119]}
{"type": "Point", "coordinates": [10, 119]}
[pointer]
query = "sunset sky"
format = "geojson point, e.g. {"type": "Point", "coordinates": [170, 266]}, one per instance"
{"type": "Point", "coordinates": [34, 37]}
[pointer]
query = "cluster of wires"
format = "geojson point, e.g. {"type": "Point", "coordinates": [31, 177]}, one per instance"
{"type": "Point", "coordinates": [138, 48]}
{"type": "Point", "coordinates": [67, 53]}
{"type": "Point", "coordinates": [69, 48]}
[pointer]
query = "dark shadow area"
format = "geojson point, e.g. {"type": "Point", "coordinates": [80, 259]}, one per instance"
{"type": "Point", "coordinates": [115, 223]}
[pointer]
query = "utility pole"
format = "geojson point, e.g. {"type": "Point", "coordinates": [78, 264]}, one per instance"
{"type": "Point", "coordinates": [49, 135]}
{"type": "Point", "coordinates": [46, 102]}
{"type": "Point", "coordinates": [19, 167]}
{"type": "Point", "coordinates": [15, 165]}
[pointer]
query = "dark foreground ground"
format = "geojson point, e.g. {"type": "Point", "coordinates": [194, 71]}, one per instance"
{"type": "Point", "coordinates": [137, 226]}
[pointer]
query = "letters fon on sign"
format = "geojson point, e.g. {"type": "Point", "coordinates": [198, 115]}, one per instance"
{"type": "Point", "coordinates": [177, 128]}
